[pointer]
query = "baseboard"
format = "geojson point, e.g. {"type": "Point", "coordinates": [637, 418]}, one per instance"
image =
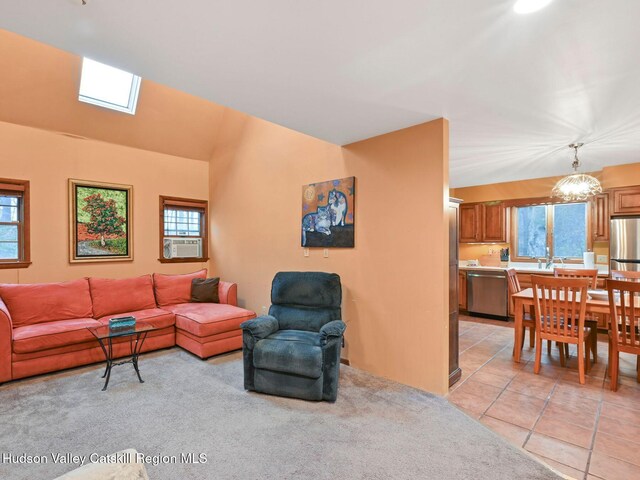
{"type": "Point", "coordinates": [345, 361]}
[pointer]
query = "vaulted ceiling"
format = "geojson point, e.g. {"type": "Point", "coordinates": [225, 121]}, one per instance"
{"type": "Point", "coordinates": [516, 88]}
{"type": "Point", "coordinates": [39, 88]}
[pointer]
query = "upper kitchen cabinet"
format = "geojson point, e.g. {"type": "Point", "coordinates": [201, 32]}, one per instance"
{"type": "Point", "coordinates": [470, 223]}
{"type": "Point", "coordinates": [484, 223]}
{"type": "Point", "coordinates": [600, 217]}
{"type": "Point", "coordinates": [494, 223]}
{"type": "Point", "coordinates": [626, 201]}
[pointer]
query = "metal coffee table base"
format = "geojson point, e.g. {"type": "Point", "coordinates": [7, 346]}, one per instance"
{"type": "Point", "coordinates": [136, 347]}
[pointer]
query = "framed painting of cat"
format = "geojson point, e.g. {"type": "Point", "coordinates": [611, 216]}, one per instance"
{"type": "Point", "coordinates": [328, 213]}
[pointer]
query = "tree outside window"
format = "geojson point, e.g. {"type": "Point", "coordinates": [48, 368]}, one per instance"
{"type": "Point", "coordinates": [562, 228]}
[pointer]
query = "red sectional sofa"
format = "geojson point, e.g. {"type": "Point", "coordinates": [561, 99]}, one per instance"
{"type": "Point", "coordinates": [43, 327]}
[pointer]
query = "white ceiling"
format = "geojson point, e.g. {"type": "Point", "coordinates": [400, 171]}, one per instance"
{"type": "Point", "coordinates": [516, 89]}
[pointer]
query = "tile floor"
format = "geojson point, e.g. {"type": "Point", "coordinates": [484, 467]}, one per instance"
{"type": "Point", "coordinates": [585, 431]}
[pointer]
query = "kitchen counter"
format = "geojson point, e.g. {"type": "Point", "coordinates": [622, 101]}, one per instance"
{"type": "Point", "coordinates": [603, 270]}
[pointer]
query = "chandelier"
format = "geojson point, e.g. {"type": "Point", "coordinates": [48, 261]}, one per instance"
{"type": "Point", "coordinates": [577, 186]}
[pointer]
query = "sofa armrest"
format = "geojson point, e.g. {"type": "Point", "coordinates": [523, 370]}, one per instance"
{"type": "Point", "coordinates": [260, 327]}
{"type": "Point", "coordinates": [333, 329]}
{"type": "Point", "coordinates": [228, 293]}
{"type": "Point", "coordinates": [6, 338]}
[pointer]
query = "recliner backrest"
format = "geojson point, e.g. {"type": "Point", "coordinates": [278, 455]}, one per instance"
{"type": "Point", "coordinates": [305, 300]}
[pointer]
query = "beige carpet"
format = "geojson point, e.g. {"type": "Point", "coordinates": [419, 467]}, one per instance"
{"type": "Point", "coordinates": [376, 430]}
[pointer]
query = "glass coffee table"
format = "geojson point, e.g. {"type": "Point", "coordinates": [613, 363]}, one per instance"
{"type": "Point", "coordinates": [106, 336]}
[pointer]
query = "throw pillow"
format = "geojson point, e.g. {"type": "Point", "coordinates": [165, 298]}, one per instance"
{"type": "Point", "coordinates": [205, 290]}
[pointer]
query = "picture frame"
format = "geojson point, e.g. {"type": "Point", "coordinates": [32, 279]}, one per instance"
{"type": "Point", "coordinates": [328, 214]}
{"type": "Point", "coordinates": [100, 222]}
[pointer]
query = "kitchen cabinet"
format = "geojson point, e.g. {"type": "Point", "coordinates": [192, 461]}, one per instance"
{"type": "Point", "coordinates": [494, 222]}
{"type": "Point", "coordinates": [484, 223]}
{"type": "Point", "coordinates": [600, 217]}
{"type": "Point", "coordinates": [462, 290]}
{"type": "Point", "coordinates": [525, 280]}
{"type": "Point", "coordinates": [625, 201]}
{"type": "Point", "coordinates": [470, 223]}
{"type": "Point", "coordinates": [602, 320]}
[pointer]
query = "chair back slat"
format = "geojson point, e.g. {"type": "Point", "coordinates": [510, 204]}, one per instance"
{"type": "Point", "coordinates": [560, 305]}
{"type": "Point", "coordinates": [513, 284]}
{"type": "Point", "coordinates": [624, 307]}
{"type": "Point", "coordinates": [625, 275]}
{"type": "Point", "coordinates": [590, 273]}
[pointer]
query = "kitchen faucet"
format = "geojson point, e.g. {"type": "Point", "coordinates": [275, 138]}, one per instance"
{"type": "Point", "coordinates": [549, 260]}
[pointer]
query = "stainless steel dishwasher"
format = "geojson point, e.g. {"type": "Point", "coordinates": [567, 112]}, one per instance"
{"type": "Point", "coordinates": [488, 293]}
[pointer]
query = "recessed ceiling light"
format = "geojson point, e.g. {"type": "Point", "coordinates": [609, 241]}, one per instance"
{"type": "Point", "coordinates": [530, 6]}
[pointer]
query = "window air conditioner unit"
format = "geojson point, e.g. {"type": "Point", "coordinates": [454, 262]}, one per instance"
{"type": "Point", "coordinates": [182, 247]}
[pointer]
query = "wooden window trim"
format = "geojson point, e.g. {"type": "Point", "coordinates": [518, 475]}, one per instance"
{"type": "Point", "coordinates": [531, 202]}
{"type": "Point", "coordinates": [191, 203]}
{"type": "Point", "coordinates": [24, 233]}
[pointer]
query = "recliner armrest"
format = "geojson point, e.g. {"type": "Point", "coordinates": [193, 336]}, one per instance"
{"type": "Point", "coordinates": [260, 327]}
{"type": "Point", "coordinates": [333, 329]}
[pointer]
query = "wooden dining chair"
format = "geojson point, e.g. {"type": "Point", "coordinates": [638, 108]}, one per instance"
{"type": "Point", "coordinates": [592, 275]}
{"type": "Point", "coordinates": [560, 306]}
{"type": "Point", "coordinates": [527, 317]}
{"type": "Point", "coordinates": [624, 325]}
{"type": "Point", "coordinates": [625, 275]}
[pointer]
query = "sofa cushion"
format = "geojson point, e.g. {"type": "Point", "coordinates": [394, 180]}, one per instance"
{"type": "Point", "coordinates": [203, 319]}
{"type": "Point", "coordinates": [205, 290]}
{"type": "Point", "coordinates": [59, 333]}
{"type": "Point", "coordinates": [155, 316]}
{"type": "Point", "coordinates": [298, 358]}
{"type": "Point", "coordinates": [111, 296]}
{"type": "Point", "coordinates": [93, 344]}
{"type": "Point", "coordinates": [34, 303]}
{"type": "Point", "coordinates": [173, 289]}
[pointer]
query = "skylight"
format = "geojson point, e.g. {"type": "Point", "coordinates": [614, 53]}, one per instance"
{"type": "Point", "coordinates": [108, 87]}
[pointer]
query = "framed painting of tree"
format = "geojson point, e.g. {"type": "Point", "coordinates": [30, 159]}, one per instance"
{"type": "Point", "coordinates": [100, 222]}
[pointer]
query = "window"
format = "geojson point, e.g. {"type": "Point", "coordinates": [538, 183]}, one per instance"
{"type": "Point", "coordinates": [183, 230]}
{"type": "Point", "coordinates": [14, 224]}
{"type": "Point", "coordinates": [562, 228]}
{"type": "Point", "coordinates": [108, 87]}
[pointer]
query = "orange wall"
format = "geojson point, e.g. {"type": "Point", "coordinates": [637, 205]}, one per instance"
{"type": "Point", "coordinates": [394, 280]}
{"type": "Point", "coordinates": [610, 177]}
{"type": "Point", "coordinates": [39, 88]}
{"type": "Point", "coordinates": [621, 175]}
{"type": "Point", "coordinates": [48, 160]}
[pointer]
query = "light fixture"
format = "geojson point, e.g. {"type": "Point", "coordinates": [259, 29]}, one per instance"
{"type": "Point", "coordinates": [577, 186]}
{"type": "Point", "coordinates": [530, 6]}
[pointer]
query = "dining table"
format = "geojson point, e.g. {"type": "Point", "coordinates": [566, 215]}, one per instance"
{"type": "Point", "coordinates": [524, 300]}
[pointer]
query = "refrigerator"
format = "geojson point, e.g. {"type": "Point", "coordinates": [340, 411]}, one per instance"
{"type": "Point", "coordinates": [625, 244]}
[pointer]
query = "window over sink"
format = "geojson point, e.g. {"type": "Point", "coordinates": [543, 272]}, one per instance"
{"type": "Point", "coordinates": [561, 227]}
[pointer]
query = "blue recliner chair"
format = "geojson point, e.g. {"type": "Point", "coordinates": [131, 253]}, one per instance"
{"type": "Point", "coordinates": [295, 350]}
